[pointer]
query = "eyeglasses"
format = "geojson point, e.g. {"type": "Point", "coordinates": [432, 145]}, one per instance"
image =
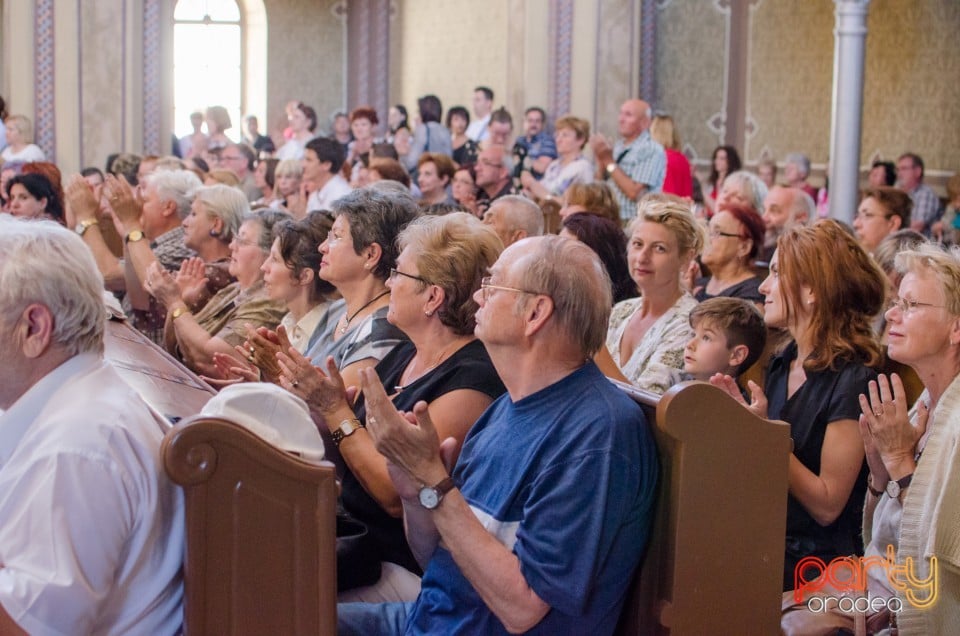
{"type": "Point", "coordinates": [486, 284]}
{"type": "Point", "coordinates": [715, 233]}
{"type": "Point", "coordinates": [394, 272]}
{"type": "Point", "coordinates": [906, 306]}
{"type": "Point", "coordinates": [245, 243]}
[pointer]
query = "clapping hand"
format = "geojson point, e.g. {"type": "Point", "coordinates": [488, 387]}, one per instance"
{"type": "Point", "coordinates": [758, 402]}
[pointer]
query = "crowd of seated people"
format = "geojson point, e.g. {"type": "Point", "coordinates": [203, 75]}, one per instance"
{"type": "Point", "coordinates": [400, 288]}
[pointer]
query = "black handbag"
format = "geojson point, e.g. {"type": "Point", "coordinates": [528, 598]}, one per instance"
{"type": "Point", "coordinates": [358, 559]}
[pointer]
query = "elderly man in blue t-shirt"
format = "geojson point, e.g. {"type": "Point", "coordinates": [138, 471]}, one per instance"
{"type": "Point", "coordinates": [547, 513]}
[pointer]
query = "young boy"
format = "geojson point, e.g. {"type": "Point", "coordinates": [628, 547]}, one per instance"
{"type": "Point", "coordinates": [729, 336]}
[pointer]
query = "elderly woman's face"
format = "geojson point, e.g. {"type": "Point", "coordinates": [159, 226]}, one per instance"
{"type": "Point", "coordinates": [567, 141]}
{"type": "Point", "coordinates": [654, 257]}
{"type": "Point", "coordinates": [726, 243]}
{"type": "Point", "coordinates": [199, 226]}
{"type": "Point", "coordinates": [25, 205]}
{"type": "Point", "coordinates": [408, 295]}
{"type": "Point", "coordinates": [362, 128]}
{"type": "Point", "coordinates": [246, 257]}
{"type": "Point", "coordinates": [339, 262]}
{"type": "Point", "coordinates": [921, 332]}
{"type": "Point", "coordinates": [733, 192]}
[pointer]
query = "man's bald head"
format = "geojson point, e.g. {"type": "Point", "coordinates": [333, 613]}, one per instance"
{"type": "Point", "coordinates": [514, 217]}
{"type": "Point", "coordinates": [634, 118]}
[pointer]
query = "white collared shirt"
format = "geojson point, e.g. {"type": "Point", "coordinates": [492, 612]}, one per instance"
{"type": "Point", "coordinates": [299, 332]}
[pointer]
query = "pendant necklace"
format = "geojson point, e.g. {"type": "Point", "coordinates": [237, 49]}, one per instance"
{"type": "Point", "coordinates": [342, 330]}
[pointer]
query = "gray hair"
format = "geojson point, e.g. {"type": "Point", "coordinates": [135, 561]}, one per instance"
{"type": "Point", "coordinates": [753, 189]}
{"type": "Point", "coordinates": [943, 262]}
{"type": "Point", "coordinates": [806, 202]}
{"type": "Point", "coordinates": [377, 214]}
{"type": "Point", "coordinates": [801, 161]}
{"type": "Point", "coordinates": [178, 186]}
{"type": "Point", "coordinates": [228, 204]}
{"type": "Point", "coordinates": [267, 220]}
{"type": "Point", "coordinates": [521, 214]}
{"type": "Point", "coordinates": [43, 262]}
{"type": "Point", "coordinates": [572, 275]}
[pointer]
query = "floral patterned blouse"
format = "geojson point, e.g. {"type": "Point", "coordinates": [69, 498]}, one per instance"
{"type": "Point", "coordinates": [657, 362]}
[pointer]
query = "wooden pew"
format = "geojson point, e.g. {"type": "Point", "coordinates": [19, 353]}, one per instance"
{"type": "Point", "coordinates": [260, 533]}
{"type": "Point", "coordinates": [715, 558]}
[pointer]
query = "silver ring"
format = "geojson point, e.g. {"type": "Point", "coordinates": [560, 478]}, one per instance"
{"type": "Point", "coordinates": [295, 384]}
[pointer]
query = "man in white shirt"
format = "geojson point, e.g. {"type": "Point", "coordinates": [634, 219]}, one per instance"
{"type": "Point", "coordinates": [91, 539]}
{"type": "Point", "coordinates": [478, 130]}
{"type": "Point", "coordinates": [322, 160]}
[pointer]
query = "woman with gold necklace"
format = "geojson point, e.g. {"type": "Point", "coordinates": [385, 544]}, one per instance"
{"type": "Point", "coordinates": [440, 267]}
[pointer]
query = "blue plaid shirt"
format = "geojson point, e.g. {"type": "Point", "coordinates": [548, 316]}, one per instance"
{"type": "Point", "coordinates": [644, 161]}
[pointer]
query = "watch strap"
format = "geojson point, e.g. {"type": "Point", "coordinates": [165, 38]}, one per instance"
{"type": "Point", "coordinates": [901, 483]}
{"type": "Point", "coordinates": [133, 236]}
{"type": "Point", "coordinates": [873, 491]}
{"type": "Point", "coordinates": [85, 225]}
{"type": "Point", "coordinates": [445, 486]}
{"type": "Point", "coordinates": [179, 311]}
{"type": "Point", "coordinates": [345, 429]}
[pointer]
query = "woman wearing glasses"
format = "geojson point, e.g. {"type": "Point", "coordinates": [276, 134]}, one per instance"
{"type": "Point", "coordinates": [647, 335]}
{"type": "Point", "coordinates": [440, 266]}
{"type": "Point", "coordinates": [814, 382]}
{"type": "Point", "coordinates": [220, 325]}
{"type": "Point", "coordinates": [735, 238]}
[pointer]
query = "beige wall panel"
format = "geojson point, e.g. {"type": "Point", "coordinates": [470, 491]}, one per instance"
{"type": "Point", "coordinates": [616, 60]}
{"type": "Point", "coordinates": [450, 46]}
{"type": "Point", "coordinates": [67, 86]}
{"type": "Point", "coordinates": [791, 78]}
{"type": "Point", "coordinates": [536, 56]}
{"type": "Point", "coordinates": [306, 56]}
{"type": "Point", "coordinates": [583, 65]}
{"type": "Point", "coordinates": [912, 92]}
{"type": "Point", "coordinates": [690, 69]}
{"type": "Point", "coordinates": [101, 82]}
{"type": "Point", "coordinates": [16, 39]}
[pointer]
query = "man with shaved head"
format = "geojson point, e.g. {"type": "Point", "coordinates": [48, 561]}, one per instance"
{"type": "Point", "coordinates": [636, 164]}
{"type": "Point", "coordinates": [514, 217]}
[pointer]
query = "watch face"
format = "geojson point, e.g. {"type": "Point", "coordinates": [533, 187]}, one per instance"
{"type": "Point", "coordinates": [429, 498]}
{"type": "Point", "coordinates": [893, 489]}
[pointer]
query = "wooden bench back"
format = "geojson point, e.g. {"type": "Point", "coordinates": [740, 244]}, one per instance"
{"type": "Point", "coordinates": [715, 559]}
{"type": "Point", "coordinates": [260, 533]}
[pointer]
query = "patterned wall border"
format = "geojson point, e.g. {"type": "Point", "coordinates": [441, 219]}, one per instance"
{"type": "Point", "coordinates": [560, 14]}
{"type": "Point", "coordinates": [368, 54]}
{"type": "Point", "coordinates": [44, 107]}
{"type": "Point", "coordinates": [152, 78]}
{"type": "Point", "coordinates": [648, 51]}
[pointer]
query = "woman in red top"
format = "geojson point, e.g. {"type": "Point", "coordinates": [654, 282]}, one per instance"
{"type": "Point", "coordinates": [679, 179]}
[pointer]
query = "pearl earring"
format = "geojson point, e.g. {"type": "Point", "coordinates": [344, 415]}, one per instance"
{"type": "Point", "coordinates": [428, 312]}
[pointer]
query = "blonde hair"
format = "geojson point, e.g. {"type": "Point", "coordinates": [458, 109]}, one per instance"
{"type": "Point", "coordinates": [943, 262]}
{"type": "Point", "coordinates": [664, 132]}
{"type": "Point", "coordinates": [289, 168]}
{"type": "Point", "coordinates": [673, 213]}
{"type": "Point", "coordinates": [580, 127]}
{"type": "Point", "coordinates": [23, 125]}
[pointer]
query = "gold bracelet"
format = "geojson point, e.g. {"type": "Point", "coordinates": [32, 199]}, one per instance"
{"type": "Point", "coordinates": [179, 311]}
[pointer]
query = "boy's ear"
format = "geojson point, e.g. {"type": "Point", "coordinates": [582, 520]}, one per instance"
{"type": "Point", "coordinates": [738, 354]}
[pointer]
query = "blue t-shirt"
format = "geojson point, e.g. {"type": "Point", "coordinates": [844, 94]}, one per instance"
{"type": "Point", "coordinates": [565, 478]}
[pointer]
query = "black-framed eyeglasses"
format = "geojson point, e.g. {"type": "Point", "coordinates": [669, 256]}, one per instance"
{"type": "Point", "coordinates": [486, 284]}
{"type": "Point", "coordinates": [394, 272]}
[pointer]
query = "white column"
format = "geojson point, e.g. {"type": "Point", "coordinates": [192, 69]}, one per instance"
{"type": "Point", "coordinates": [850, 37]}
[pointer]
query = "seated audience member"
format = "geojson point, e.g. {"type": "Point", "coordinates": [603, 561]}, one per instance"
{"type": "Point", "coordinates": [606, 238]}
{"type": "Point", "coordinates": [882, 173]}
{"type": "Point", "coordinates": [434, 172]}
{"type": "Point", "coordinates": [464, 189]}
{"type": "Point", "coordinates": [221, 324]}
{"type": "Point", "coordinates": [439, 269]}
{"type": "Point", "coordinates": [464, 149]}
{"type": "Point", "coordinates": [33, 196]}
{"type": "Point", "coordinates": [571, 135]}
{"type": "Point", "coordinates": [886, 255]}
{"type": "Point", "coordinates": [482, 107]}
{"type": "Point", "coordinates": [303, 123]}
{"type": "Point", "coordinates": [767, 171]}
{"type": "Point", "coordinates": [290, 275]}
{"type": "Point", "coordinates": [396, 117]}
{"type": "Point", "coordinates": [241, 160]}
{"type": "Point", "coordinates": [265, 178]}
{"type": "Point", "coordinates": [536, 144]}
{"type": "Point", "coordinates": [262, 145]}
{"type": "Point", "coordinates": [357, 257]}
{"type": "Point", "coordinates": [796, 169]}
{"type": "Point", "coordinates": [593, 198]}
{"type": "Point", "coordinates": [500, 129]}
{"type": "Point", "coordinates": [743, 188]}
{"type": "Point", "coordinates": [912, 514]}
{"type": "Point", "coordinates": [124, 165]}
{"type": "Point", "coordinates": [647, 335]}
{"type": "Point", "coordinates": [152, 233]}
{"type": "Point", "coordinates": [363, 124]}
{"type": "Point", "coordinates": [784, 208]}
{"type": "Point", "coordinates": [926, 204]}
{"type": "Point", "coordinates": [946, 229]}
{"type": "Point", "coordinates": [384, 169]}
{"type": "Point", "coordinates": [728, 337]}
{"type": "Point", "coordinates": [209, 229]}
{"type": "Point", "coordinates": [286, 187]}
{"type": "Point", "coordinates": [222, 177]}
{"type": "Point", "coordinates": [340, 129]}
{"type": "Point", "coordinates": [882, 211]}
{"type": "Point", "coordinates": [679, 176]}
{"type": "Point", "coordinates": [92, 534]}
{"type": "Point", "coordinates": [735, 236]}
{"type": "Point", "coordinates": [514, 217]}
{"type": "Point", "coordinates": [8, 171]}
{"type": "Point", "coordinates": [493, 175]}
{"type": "Point", "coordinates": [545, 554]}
{"type": "Point", "coordinates": [813, 383]}
{"type": "Point", "coordinates": [218, 121]}
{"type": "Point", "coordinates": [20, 146]}
{"type": "Point", "coordinates": [322, 160]}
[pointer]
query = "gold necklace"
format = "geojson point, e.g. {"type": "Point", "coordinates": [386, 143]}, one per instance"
{"type": "Point", "coordinates": [397, 388]}
{"type": "Point", "coordinates": [342, 330]}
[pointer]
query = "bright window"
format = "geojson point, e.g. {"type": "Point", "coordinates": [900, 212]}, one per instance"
{"type": "Point", "coordinates": [207, 62]}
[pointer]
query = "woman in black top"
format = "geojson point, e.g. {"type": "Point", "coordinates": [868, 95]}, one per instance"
{"type": "Point", "coordinates": [824, 290]}
{"type": "Point", "coordinates": [440, 266]}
